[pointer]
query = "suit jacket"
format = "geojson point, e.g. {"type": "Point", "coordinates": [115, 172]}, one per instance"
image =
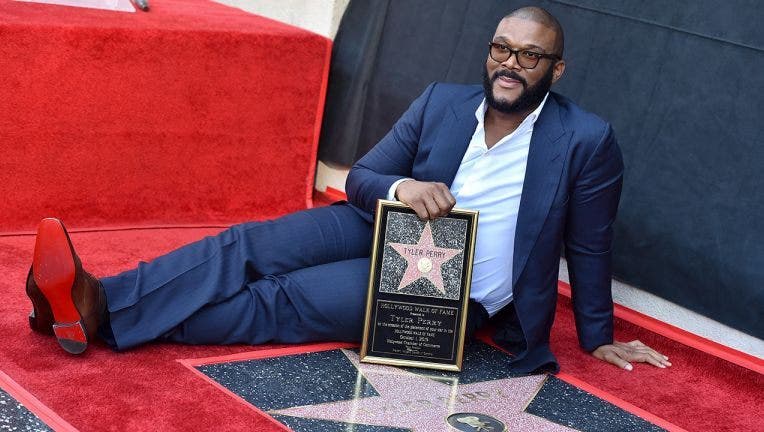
{"type": "Point", "coordinates": [570, 196]}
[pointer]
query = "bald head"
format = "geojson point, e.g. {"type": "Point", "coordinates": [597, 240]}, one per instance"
{"type": "Point", "coordinates": [541, 16]}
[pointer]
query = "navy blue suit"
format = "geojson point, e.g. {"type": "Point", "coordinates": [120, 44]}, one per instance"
{"type": "Point", "coordinates": [303, 277]}
{"type": "Point", "coordinates": [570, 195]}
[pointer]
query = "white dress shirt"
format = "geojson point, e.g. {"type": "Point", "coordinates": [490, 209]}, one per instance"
{"type": "Point", "coordinates": [491, 181]}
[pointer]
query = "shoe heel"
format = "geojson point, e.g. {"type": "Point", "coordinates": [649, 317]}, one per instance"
{"type": "Point", "coordinates": [41, 317]}
{"type": "Point", "coordinates": [72, 337]}
{"type": "Point", "coordinates": [36, 323]}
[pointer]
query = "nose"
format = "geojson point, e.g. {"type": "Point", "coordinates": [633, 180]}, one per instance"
{"type": "Point", "coordinates": [512, 62]}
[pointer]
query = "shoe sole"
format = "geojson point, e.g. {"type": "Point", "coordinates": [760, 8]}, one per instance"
{"type": "Point", "coordinates": [54, 270]}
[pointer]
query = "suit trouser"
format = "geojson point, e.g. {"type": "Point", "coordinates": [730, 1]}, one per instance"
{"type": "Point", "coordinates": [302, 277]}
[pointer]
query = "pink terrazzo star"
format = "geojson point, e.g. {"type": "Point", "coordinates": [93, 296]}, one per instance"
{"type": "Point", "coordinates": [423, 260]}
{"type": "Point", "coordinates": [409, 400]}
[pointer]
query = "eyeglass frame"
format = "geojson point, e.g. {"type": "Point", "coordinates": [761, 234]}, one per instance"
{"type": "Point", "coordinates": [517, 55]}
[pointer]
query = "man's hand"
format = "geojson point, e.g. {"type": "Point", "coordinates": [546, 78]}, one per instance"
{"type": "Point", "coordinates": [622, 354]}
{"type": "Point", "coordinates": [429, 200]}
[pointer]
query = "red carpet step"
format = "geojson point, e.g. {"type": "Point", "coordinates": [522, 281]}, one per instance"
{"type": "Point", "coordinates": [194, 112]}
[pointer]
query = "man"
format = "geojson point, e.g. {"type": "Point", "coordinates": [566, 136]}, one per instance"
{"type": "Point", "coordinates": [540, 170]}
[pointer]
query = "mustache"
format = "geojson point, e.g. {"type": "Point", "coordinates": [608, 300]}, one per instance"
{"type": "Point", "coordinates": [509, 74]}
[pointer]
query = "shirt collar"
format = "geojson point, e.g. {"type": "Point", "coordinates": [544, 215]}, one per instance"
{"type": "Point", "coordinates": [532, 117]}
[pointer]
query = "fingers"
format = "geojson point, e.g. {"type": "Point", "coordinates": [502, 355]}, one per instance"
{"type": "Point", "coordinates": [444, 194]}
{"type": "Point", "coordinates": [433, 210]}
{"type": "Point", "coordinates": [639, 352]}
{"type": "Point", "coordinates": [443, 198]}
{"type": "Point", "coordinates": [419, 207]}
{"type": "Point", "coordinates": [646, 357]}
{"type": "Point", "coordinates": [612, 356]}
{"type": "Point", "coordinates": [657, 359]}
{"type": "Point", "coordinates": [429, 200]}
{"type": "Point", "coordinates": [410, 192]}
{"type": "Point", "coordinates": [648, 354]}
{"type": "Point", "coordinates": [425, 206]}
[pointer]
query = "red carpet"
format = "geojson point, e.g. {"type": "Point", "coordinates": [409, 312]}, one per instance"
{"type": "Point", "coordinates": [198, 114]}
{"type": "Point", "coordinates": [144, 389]}
{"type": "Point", "coordinates": [111, 118]}
{"type": "Point", "coordinates": [148, 389]}
{"type": "Point", "coordinates": [699, 392]}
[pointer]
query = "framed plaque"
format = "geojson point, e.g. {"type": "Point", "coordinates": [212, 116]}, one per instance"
{"type": "Point", "coordinates": [419, 288]}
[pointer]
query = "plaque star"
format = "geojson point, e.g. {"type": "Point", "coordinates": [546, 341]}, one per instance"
{"type": "Point", "coordinates": [421, 404]}
{"type": "Point", "coordinates": [424, 260]}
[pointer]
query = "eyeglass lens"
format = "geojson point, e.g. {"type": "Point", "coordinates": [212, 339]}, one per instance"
{"type": "Point", "coordinates": [502, 53]}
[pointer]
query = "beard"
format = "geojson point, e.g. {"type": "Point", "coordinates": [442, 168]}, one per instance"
{"type": "Point", "coordinates": [529, 98]}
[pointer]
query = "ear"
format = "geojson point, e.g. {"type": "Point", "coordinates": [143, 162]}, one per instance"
{"type": "Point", "coordinates": [557, 70]}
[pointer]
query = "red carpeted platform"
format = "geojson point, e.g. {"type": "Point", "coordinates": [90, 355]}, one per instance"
{"type": "Point", "coordinates": [193, 112]}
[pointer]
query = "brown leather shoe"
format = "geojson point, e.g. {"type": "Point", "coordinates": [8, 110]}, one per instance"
{"type": "Point", "coordinates": [41, 317]}
{"type": "Point", "coordinates": [65, 298]}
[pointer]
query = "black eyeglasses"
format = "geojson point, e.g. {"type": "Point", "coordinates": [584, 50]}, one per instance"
{"type": "Point", "coordinates": [527, 59]}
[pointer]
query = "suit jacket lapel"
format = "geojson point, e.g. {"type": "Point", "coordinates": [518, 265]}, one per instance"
{"type": "Point", "coordinates": [546, 157]}
{"type": "Point", "coordinates": [452, 141]}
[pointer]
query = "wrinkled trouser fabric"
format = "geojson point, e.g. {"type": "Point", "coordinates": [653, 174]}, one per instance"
{"type": "Point", "coordinates": [302, 277]}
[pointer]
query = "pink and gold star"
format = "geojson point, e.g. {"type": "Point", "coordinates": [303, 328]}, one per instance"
{"type": "Point", "coordinates": [424, 260]}
{"type": "Point", "coordinates": [411, 401]}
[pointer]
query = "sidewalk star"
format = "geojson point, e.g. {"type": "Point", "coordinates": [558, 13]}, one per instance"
{"type": "Point", "coordinates": [424, 260]}
{"type": "Point", "coordinates": [414, 401]}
